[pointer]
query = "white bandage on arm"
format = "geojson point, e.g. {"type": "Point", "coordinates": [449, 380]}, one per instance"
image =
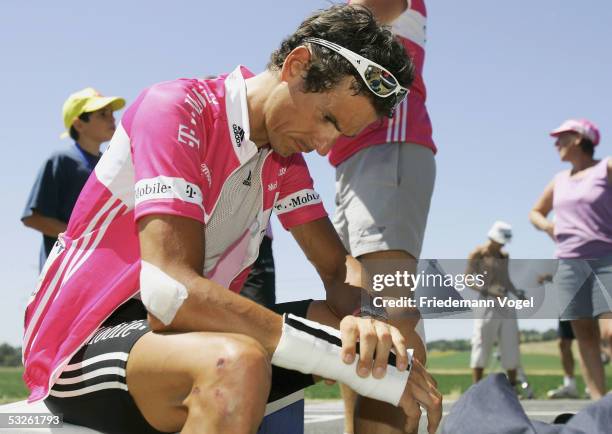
{"type": "Point", "coordinates": [161, 294]}
{"type": "Point", "coordinates": [312, 348]}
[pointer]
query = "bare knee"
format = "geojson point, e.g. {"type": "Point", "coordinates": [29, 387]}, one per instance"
{"type": "Point", "coordinates": [235, 381]}
{"type": "Point", "coordinates": [246, 361]}
{"type": "Point", "coordinates": [586, 331]}
{"type": "Point", "coordinates": [565, 346]}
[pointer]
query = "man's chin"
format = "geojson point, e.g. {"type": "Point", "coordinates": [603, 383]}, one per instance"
{"type": "Point", "coordinates": [284, 151]}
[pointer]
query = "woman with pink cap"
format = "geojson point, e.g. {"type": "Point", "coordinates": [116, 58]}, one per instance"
{"type": "Point", "coordinates": [581, 199]}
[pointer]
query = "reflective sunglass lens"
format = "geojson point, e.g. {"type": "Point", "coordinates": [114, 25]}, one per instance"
{"type": "Point", "coordinates": [380, 81]}
{"type": "Point", "coordinates": [388, 80]}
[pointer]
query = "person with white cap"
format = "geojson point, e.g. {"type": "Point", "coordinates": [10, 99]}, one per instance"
{"type": "Point", "coordinates": [581, 199]}
{"type": "Point", "coordinates": [88, 119]}
{"type": "Point", "coordinates": [494, 324]}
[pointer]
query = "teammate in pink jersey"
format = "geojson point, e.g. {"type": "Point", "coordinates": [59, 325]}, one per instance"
{"type": "Point", "coordinates": [132, 327]}
{"type": "Point", "coordinates": [385, 177]}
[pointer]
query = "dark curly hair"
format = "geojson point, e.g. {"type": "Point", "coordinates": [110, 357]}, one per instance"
{"type": "Point", "coordinates": [353, 27]}
{"type": "Point", "coordinates": [74, 134]}
{"type": "Point", "coordinates": [587, 146]}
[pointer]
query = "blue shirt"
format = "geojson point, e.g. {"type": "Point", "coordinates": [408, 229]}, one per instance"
{"type": "Point", "coordinates": [57, 188]}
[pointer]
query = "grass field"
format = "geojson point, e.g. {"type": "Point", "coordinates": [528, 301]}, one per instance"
{"type": "Point", "coordinates": [451, 370]}
{"type": "Point", "coordinates": [11, 385]}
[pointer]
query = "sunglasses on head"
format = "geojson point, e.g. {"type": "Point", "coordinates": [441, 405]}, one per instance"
{"type": "Point", "coordinates": [378, 79]}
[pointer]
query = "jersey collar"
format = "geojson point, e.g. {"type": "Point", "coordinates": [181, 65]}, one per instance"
{"type": "Point", "coordinates": [238, 114]}
{"type": "Point", "coordinates": [90, 160]}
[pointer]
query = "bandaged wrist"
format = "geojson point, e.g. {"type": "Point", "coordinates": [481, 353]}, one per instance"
{"type": "Point", "coordinates": [312, 348]}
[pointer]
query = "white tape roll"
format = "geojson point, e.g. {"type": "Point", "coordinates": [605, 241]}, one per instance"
{"type": "Point", "coordinates": [312, 348]}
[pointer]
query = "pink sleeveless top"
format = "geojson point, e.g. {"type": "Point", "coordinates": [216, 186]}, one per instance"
{"type": "Point", "coordinates": [583, 213]}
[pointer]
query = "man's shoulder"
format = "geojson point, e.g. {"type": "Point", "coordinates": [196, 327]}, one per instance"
{"type": "Point", "coordinates": [193, 96]}
{"type": "Point", "coordinates": [63, 155]}
{"type": "Point", "coordinates": [477, 253]}
{"type": "Point", "coordinates": [168, 91]}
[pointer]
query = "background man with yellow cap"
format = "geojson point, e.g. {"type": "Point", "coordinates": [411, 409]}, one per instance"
{"type": "Point", "coordinates": [89, 121]}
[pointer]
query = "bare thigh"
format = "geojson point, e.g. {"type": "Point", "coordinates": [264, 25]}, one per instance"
{"type": "Point", "coordinates": [165, 370]}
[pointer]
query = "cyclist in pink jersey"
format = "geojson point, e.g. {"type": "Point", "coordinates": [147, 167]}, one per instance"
{"type": "Point", "coordinates": [385, 176]}
{"type": "Point", "coordinates": [132, 327]}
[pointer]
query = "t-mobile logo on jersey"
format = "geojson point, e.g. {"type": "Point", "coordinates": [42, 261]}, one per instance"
{"type": "Point", "coordinates": [187, 136]}
{"type": "Point", "coordinates": [190, 191]}
{"type": "Point", "coordinates": [206, 172]}
{"type": "Point", "coordinates": [165, 187]}
{"type": "Point", "coordinates": [238, 134]}
{"type": "Point", "coordinates": [144, 190]}
{"type": "Point", "coordinates": [297, 200]}
{"type": "Point", "coordinates": [197, 104]}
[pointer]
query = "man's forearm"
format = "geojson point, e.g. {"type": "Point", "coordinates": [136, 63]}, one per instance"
{"type": "Point", "coordinates": [342, 299]}
{"type": "Point", "coordinates": [210, 307]}
{"type": "Point", "coordinates": [49, 226]}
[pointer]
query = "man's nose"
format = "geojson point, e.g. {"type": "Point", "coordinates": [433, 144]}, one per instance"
{"type": "Point", "coordinates": [325, 142]}
{"type": "Point", "coordinates": [324, 148]}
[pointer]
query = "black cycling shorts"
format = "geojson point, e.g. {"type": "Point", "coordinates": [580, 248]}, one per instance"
{"type": "Point", "coordinates": [92, 389]}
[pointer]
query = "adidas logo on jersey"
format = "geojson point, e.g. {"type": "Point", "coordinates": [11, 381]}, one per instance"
{"type": "Point", "coordinates": [247, 181]}
{"type": "Point", "coordinates": [238, 134]}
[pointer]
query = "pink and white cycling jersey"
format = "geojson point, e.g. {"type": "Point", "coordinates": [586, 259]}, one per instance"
{"type": "Point", "coordinates": [410, 123]}
{"type": "Point", "coordinates": [182, 148]}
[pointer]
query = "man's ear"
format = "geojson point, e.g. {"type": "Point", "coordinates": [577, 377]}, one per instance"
{"type": "Point", "coordinates": [78, 125]}
{"type": "Point", "coordinates": [295, 64]}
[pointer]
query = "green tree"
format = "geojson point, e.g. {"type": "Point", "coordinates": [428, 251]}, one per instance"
{"type": "Point", "coordinates": [10, 356]}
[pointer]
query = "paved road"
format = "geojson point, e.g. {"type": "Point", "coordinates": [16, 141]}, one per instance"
{"type": "Point", "coordinates": [326, 417]}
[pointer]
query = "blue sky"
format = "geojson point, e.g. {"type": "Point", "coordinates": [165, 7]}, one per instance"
{"type": "Point", "coordinates": [499, 76]}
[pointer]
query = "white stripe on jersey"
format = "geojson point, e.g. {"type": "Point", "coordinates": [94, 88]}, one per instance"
{"type": "Point", "coordinates": [82, 244]}
{"type": "Point", "coordinates": [396, 129]}
{"type": "Point", "coordinates": [404, 116]}
{"type": "Point", "coordinates": [88, 375]}
{"type": "Point", "coordinates": [89, 389]}
{"type": "Point", "coordinates": [88, 252]}
{"type": "Point", "coordinates": [297, 200]}
{"type": "Point", "coordinates": [390, 128]}
{"type": "Point", "coordinates": [45, 298]}
{"type": "Point", "coordinates": [411, 25]}
{"type": "Point", "coordinates": [115, 170]}
{"type": "Point", "coordinates": [166, 187]}
{"type": "Point", "coordinates": [65, 261]}
{"type": "Point", "coordinates": [96, 359]}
